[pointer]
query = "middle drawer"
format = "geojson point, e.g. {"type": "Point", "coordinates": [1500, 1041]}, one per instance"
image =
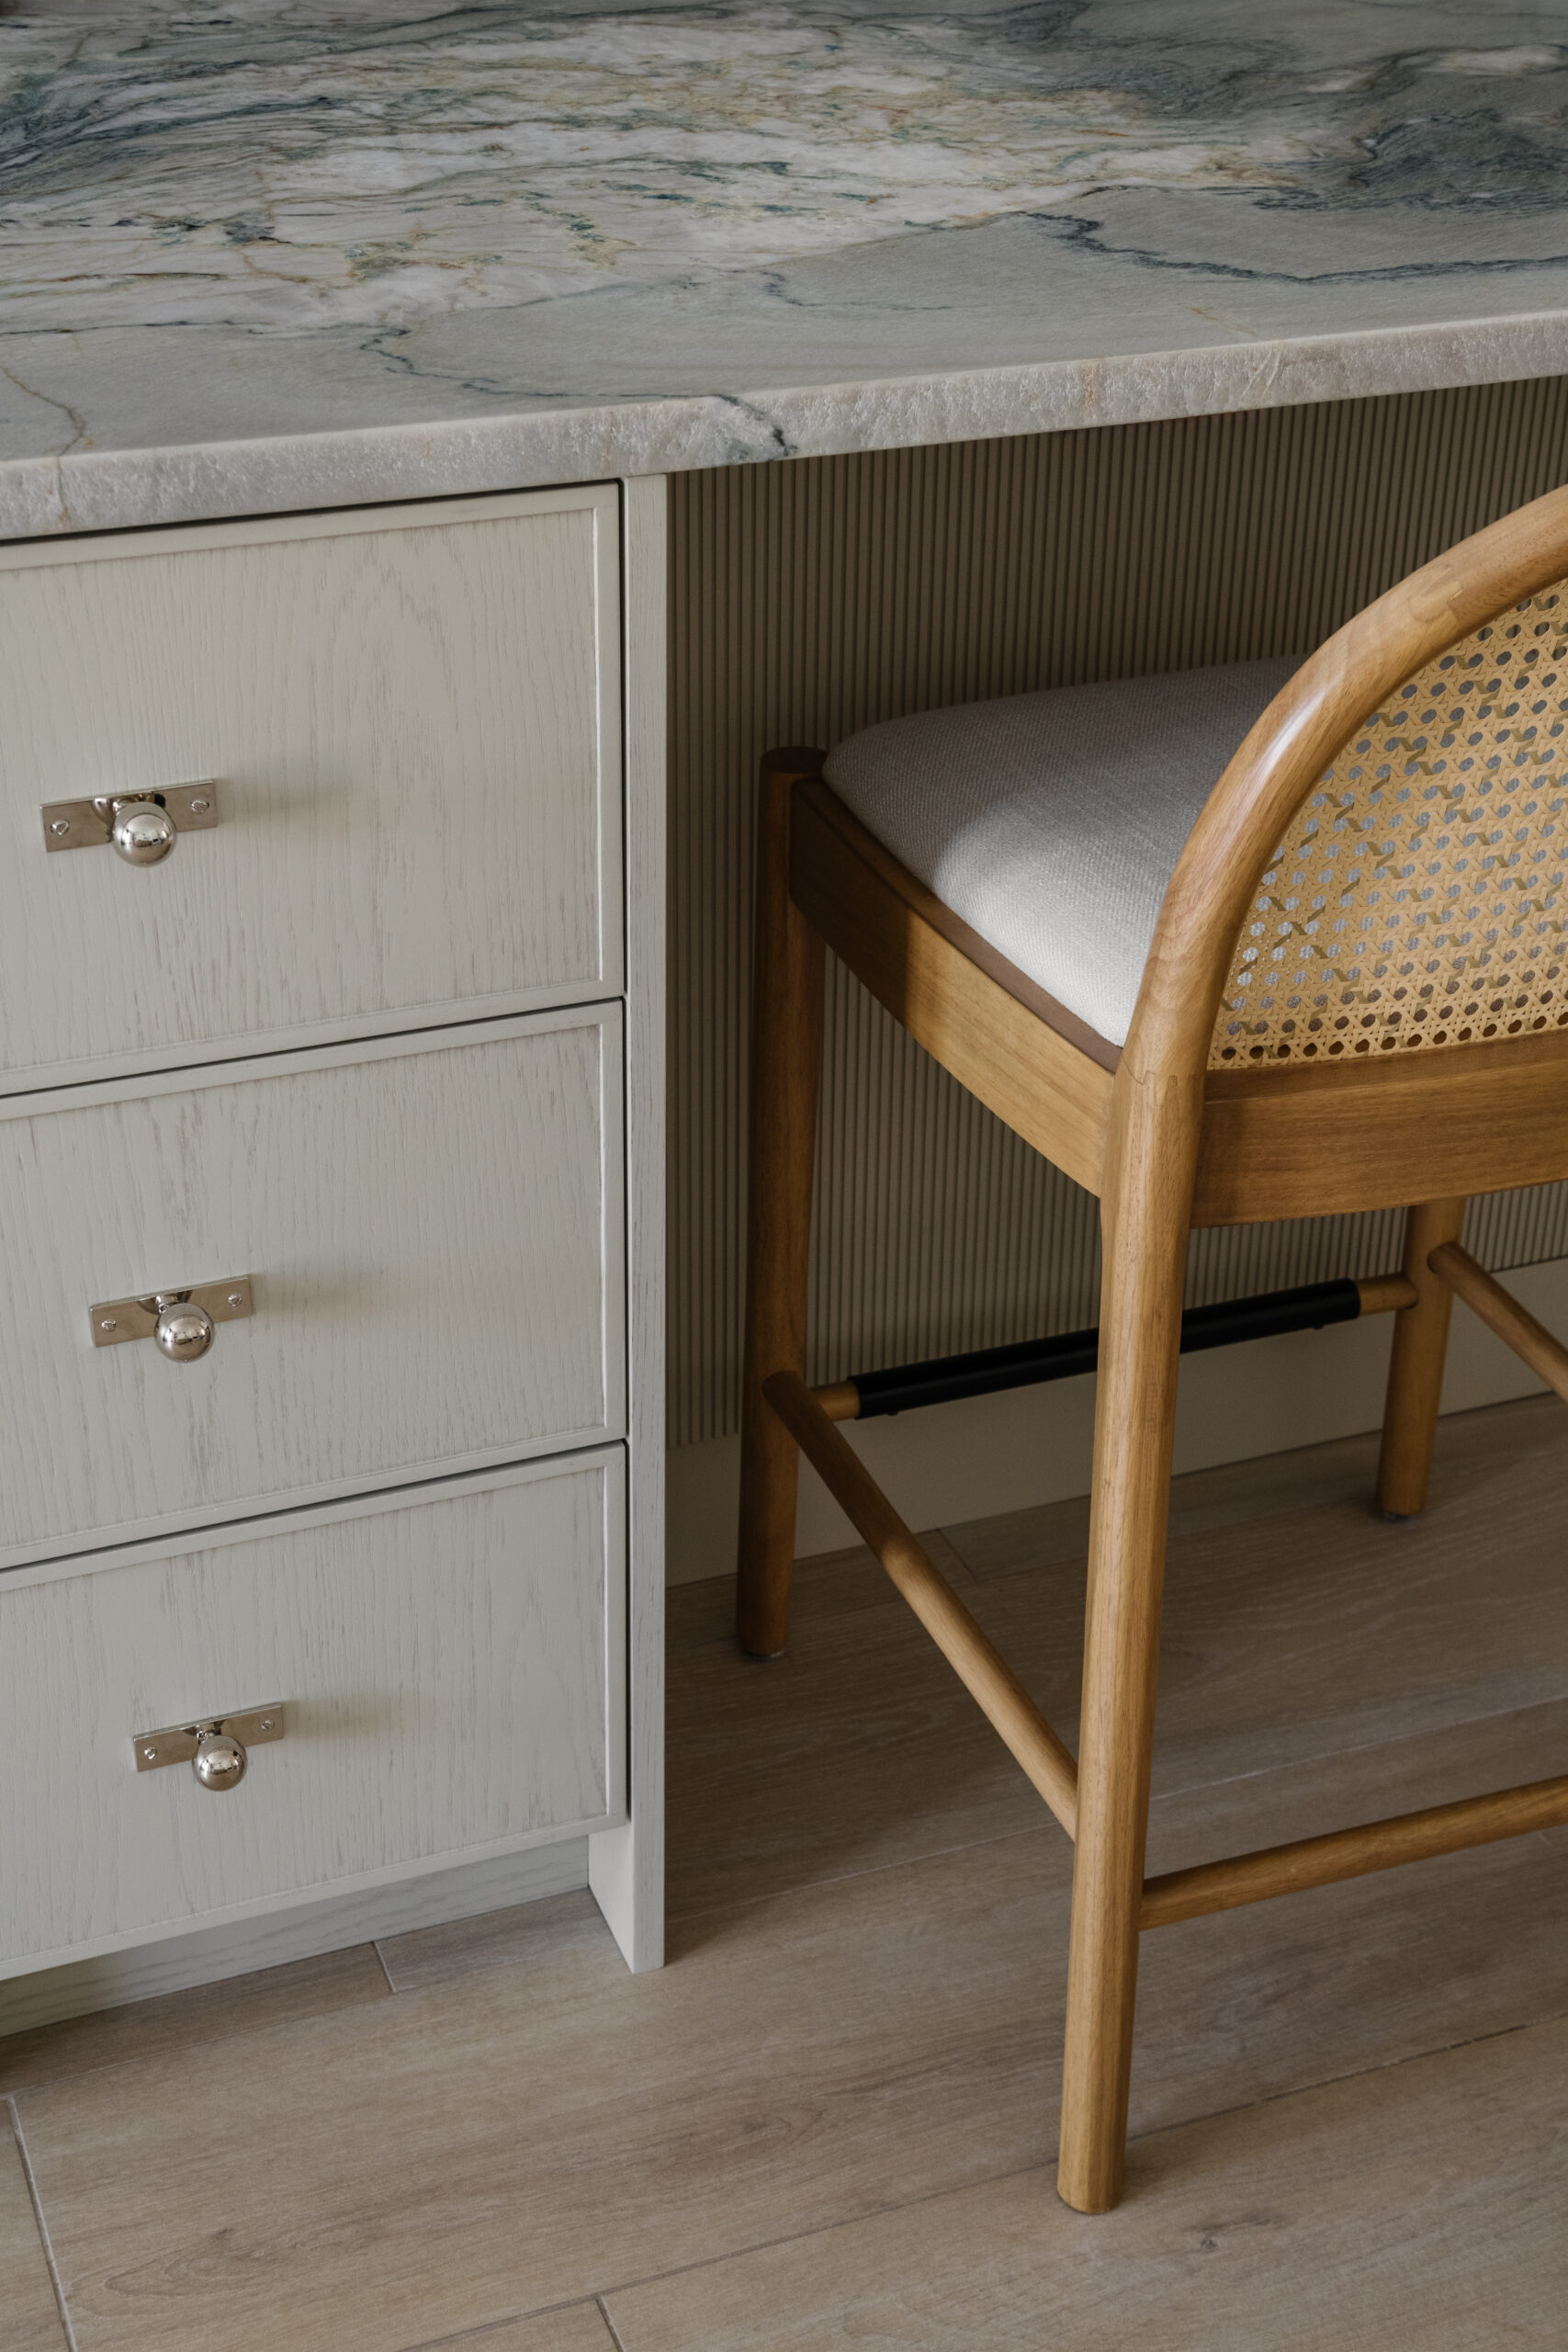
{"type": "Point", "coordinates": [432, 1230]}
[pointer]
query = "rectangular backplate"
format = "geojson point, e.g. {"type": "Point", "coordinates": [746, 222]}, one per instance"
{"type": "Point", "coordinates": [114, 1319]}
{"type": "Point", "coordinates": [178, 1744]}
{"type": "Point", "coordinates": [85, 824]}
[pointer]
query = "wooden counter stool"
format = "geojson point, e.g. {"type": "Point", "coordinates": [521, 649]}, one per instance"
{"type": "Point", "coordinates": [1336, 979]}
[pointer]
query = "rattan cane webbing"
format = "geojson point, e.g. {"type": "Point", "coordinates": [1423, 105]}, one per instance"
{"type": "Point", "coordinates": [1417, 899]}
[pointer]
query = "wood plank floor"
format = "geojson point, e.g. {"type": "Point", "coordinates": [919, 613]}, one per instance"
{"type": "Point", "coordinates": [830, 2121]}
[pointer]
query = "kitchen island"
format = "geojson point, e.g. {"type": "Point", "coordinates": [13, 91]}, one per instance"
{"type": "Point", "coordinates": [385, 404]}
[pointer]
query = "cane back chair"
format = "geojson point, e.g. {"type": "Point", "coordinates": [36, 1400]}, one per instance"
{"type": "Point", "coordinates": [1355, 997]}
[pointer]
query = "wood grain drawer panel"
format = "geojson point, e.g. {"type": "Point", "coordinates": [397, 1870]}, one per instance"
{"type": "Point", "coordinates": [451, 1658]}
{"type": "Point", "coordinates": [434, 1227]}
{"type": "Point", "coordinates": [413, 719]}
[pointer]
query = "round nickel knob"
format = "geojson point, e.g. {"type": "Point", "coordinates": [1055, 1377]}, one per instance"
{"type": "Point", "coordinates": [184, 1331]}
{"type": "Point", "coordinates": [142, 832]}
{"type": "Point", "coordinates": [220, 1761]}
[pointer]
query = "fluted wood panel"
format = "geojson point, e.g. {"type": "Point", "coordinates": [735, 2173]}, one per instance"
{"type": "Point", "coordinates": [814, 597]}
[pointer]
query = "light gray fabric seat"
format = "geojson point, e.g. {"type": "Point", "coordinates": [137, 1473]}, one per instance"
{"type": "Point", "coordinates": [1052, 823]}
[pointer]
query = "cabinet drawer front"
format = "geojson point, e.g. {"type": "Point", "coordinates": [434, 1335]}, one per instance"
{"type": "Point", "coordinates": [411, 721]}
{"type": "Point", "coordinates": [450, 1665]}
{"type": "Point", "coordinates": [433, 1231]}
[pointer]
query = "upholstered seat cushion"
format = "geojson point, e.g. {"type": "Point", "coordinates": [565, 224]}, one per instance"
{"type": "Point", "coordinates": [1052, 823]}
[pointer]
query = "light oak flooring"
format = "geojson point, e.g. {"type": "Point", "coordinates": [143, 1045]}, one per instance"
{"type": "Point", "coordinates": [830, 2121]}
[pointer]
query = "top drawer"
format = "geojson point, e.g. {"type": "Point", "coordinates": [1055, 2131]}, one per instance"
{"type": "Point", "coordinates": [411, 721]}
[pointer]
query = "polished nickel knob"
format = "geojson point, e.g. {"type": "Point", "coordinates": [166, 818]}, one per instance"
{"type": "Point", "coordinates": [184, 1330]}
{"type": "Point", "coordinates": [142, 832]}
{"type": "Point", "coordinates": [182, 1321]}
{"type": "Point", "coordinates": [143, 825]}
{"type": "Point", "coordinates": [219, 1760]}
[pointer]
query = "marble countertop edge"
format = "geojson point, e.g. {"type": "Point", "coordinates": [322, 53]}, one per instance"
{"type": "Point", "coordinates": [528, 447]}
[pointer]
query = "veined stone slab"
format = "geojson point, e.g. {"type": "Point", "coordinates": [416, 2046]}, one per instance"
{"type": "Point", "coordinates": [301, 255]}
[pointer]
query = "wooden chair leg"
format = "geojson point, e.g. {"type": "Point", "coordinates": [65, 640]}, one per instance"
{"type": "Point", "coordinates": [1416, 1367]}
{"type": "Point", "coordinates": [786, 1061]}
{"type": "Point", "coordinates": [1146, 1237]}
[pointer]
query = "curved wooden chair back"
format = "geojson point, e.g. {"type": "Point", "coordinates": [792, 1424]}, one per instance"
{"type": "Point", "coordinates": [1381, 868]}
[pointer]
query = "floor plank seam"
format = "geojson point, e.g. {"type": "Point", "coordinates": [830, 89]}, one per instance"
{"type": "Point", "coordinates": [614, 2331]}
{"type": "Point", "coordinates": [1046, 2169]}
{"type": "Point", "coordinates": [488, 2327]}
{"type": "Point", "coordinates": [381, 1962]}
{"type": "Point", "coordinates": [1357, 1747]}
{"type": "Point", "coordinates": [24, 2158]}
{"type": "Point", "coordinates": [1351, 2075]}
{"type": "Point", "coordinates": [804, 2237]}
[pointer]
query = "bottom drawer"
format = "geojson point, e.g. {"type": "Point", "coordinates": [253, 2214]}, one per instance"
{"type": "Point", "coordinates": [449, 1658]}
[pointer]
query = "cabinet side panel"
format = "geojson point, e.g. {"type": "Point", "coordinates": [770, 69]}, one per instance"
{"type": "Point", "coordinates": [626, 1867]}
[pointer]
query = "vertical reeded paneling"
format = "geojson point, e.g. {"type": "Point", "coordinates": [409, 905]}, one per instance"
{"type": "Point", "coordinates": [814, 597]}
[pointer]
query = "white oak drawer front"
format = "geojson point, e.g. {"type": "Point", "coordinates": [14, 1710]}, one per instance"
{"type": "Point", "coordinates": [431, 1230]}
{"type": "Point", "coordinates": [450, 1662]}
{"type": "Point", "coordinates": [408, 723]}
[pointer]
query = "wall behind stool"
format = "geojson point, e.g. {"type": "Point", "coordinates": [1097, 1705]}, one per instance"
{"type": "Point", "coordinates": [811, 598]}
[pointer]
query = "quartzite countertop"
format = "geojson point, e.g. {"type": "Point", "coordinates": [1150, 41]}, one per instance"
{"type": "Point", "coordinates": [300, 253]}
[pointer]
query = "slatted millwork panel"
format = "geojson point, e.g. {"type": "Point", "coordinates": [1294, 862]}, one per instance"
{"type": "Point", "coordinates": [812, 598]}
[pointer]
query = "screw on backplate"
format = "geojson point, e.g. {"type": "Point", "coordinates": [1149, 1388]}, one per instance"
{"type": "Point", "coordinates": [60, 828]}
{"type": "Point", "coordinates": [151, 1754]}
{"type": "Point", "coordinates": [236, 1298]}
{"type": "Point", "coordinates": [108, 1324]}
{"type": "Point", "coordinates": [199, 804]}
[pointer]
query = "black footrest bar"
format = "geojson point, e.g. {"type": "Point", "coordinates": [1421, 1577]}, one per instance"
{"type": "Point", "coordinates": [986, 1370]}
